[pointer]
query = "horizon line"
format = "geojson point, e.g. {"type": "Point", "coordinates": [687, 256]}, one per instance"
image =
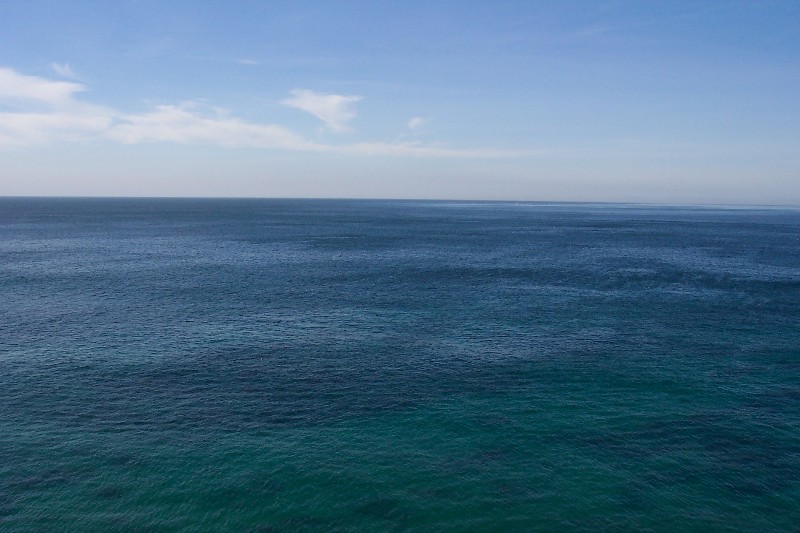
{"type": "Point", "coordinates": [431, 200]}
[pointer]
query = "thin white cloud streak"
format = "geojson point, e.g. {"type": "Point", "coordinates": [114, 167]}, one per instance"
{"type": "Point", "coordinates": [187, 124]}
{"type": "Point", "coordinates": [25, 129]}
{"type": "Point", "coordinates": [15, 88]}
{"type": "Point", "coordinates": [415, 123]}
{"type": "Point", "coordinates": [46, 111]}
{"type": "Point", "coordinates": [335, 110]}
{"type": "Point", "coordinates": [419, 150]}
{"type": "Point", "coordinates": [64, 70]}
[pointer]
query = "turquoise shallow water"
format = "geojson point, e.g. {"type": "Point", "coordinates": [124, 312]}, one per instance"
{"type": "Point", "coordinates": [266, 365]}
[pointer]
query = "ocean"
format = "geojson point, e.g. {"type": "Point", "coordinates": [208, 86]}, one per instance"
{"type": "Point", "coordinates": [334, 365]}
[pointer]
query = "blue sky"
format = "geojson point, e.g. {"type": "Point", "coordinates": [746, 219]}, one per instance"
{"type": "Point", "coordinates": [676, 102]}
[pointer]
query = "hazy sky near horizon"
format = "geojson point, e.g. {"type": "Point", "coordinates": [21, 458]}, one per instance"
{"type": "Point", "coordinates": [677, 102]}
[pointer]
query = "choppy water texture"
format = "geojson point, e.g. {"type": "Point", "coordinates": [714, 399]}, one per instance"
{"type": "Point", "coordinates": [334, 365]}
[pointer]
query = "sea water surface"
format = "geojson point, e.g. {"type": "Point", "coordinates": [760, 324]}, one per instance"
{"type": "Point", "coordinates": [293, 365]}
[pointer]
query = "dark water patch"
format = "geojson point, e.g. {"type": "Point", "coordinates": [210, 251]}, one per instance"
{"type": "Point", "coordinates": [45, 475]}
{"type": "Point", "coordinates": [385, 509]}
{"type": "Point", "coordinates": [110, 492]}
{"type": "Point", "coordinates": [250, 387]}
{"type": "Point", "coordinates": [715, 433]}
{"type": "Point", "coordinates": [709, 452]}
{"type": "Point", "coordinates": [126, 460]}
{"type": "Point", "coordinates": [303, 523]}
{"type": "Point", "coordinates": [484, 459]}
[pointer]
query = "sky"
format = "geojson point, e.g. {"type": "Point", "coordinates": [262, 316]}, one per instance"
{"type": "Point", "coordinates": [689, 102]}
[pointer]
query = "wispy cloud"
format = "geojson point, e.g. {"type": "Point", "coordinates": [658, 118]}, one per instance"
{"type": "Point", "coordinates": [191, 123]}
{"type": "Point", "coordinates": [16, 87]}
{"type": "Point", "coordinates": [335, 110]}
{"type": "Point", "coordinates": [25, 129]}
{"type": "Point", "coordinates": [63, 69]}
{"type": "Point", "coordinates": [409, 149]}
{"type": "Point", "coordinates": [47, 111]}
{"type": "Point", "coordinates": [416, 123]}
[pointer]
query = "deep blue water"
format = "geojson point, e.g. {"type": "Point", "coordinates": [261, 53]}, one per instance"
{"type": "Point", "coordinates": [283, 365]}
